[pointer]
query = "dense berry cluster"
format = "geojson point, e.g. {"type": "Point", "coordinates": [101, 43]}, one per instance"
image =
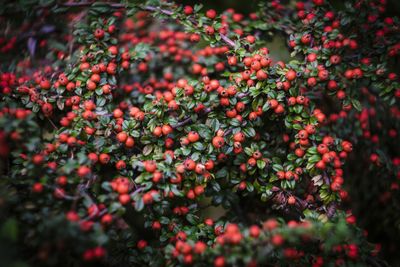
{"type": "Point", "coordinates": [123, 131]}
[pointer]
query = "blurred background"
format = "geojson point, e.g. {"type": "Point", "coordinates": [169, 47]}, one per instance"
{"type": "Point", "coordinates": [248, 6]}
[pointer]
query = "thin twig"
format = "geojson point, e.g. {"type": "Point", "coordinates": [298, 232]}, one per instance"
{"type": "Point", "coordinates": [52, 123]}
{"type": "Point", "coordinates": [188, 120]}
{"type": "Point", "coordinates": [225, 38]}
{"type": "Point", "coordinates": [86, 4]}
{"type": "Point", "coordinates": [152, 8]}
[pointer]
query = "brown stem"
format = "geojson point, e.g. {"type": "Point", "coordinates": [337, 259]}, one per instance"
{"type": "Point", "coordinates": [152, 8]}
{"type": "Point", "coordinates": [225, 38]}
{"type": "Point", "coordinates": [182, 123]}
{"type": "Point", "coordinates": [52, 123]}
{"type": "Point", "coordinates": [331, 210]}
{"type": "Point", "coordinates": [85, 4]}
{"type": "Point", "coordinates": [188, 120]}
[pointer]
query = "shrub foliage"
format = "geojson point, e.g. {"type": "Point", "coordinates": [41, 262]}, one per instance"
{"type": "Point", "coordinates": [125, 124]}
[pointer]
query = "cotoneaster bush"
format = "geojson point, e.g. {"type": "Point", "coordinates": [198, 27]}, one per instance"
{"type": "Point", "coordinates": [124, 123]}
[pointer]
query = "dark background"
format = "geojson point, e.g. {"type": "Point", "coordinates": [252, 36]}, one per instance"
{"type": "Point", "coordinates": [248, 6]}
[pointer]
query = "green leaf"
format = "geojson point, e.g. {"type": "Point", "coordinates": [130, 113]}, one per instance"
{"type": "Point", "coordinates": [277, 167]}
{"type": "Point", "coordinates": [298, 109]}
{"type": "Point", "coordinates": [197, 7]}
{"type": "Point", "coordinates": [216, 186]}
{"type": "Point", "coordinates": [261, 164]}
{"type": "Point", "coordinates": [100, 101]}
{"type": "Point", "coordinates": [235, 122]}
{"type": "Point", "coordinates": [221, 173]}
{"type": "Point", "coordinates": [191, 218]}
{"type": "Point", "coordinates": [176, 191]}
{"type": "Point", "coordinates": [147, 150]}
{"type": "Point", "coordinates": [356, 104]}
{"type": "Point", "coordinates": [9, 229]}
{"type": "Point", "coordinates": [314, 159]}
{"type": "Point", "coordinates": [249, 187]}
{"type": "Point", "coordinates": [164, 220]}
{"type": "Point", "coordinates": [249, 132]}
{"type": "Point", "coordinates": [139, 205]}
{"type": "Point", "coordinates": [186, 151]}
{"type": "Point", "coordinates": [297, 126]}
{"type": "Point", "coordinates": [198, 146]}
